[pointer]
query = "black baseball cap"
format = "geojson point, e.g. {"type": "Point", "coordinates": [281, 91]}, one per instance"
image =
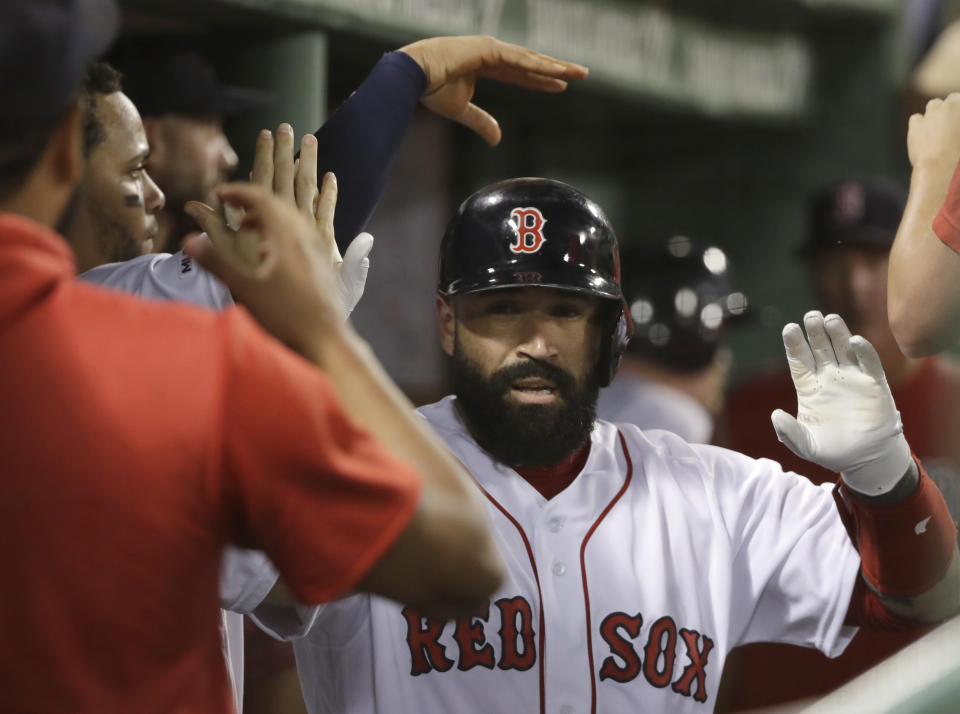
{"type": "Point", "coordinates": [180, 81]}
{"type": "Point", "coordinates": [45, 47]}
{"type": "Point", "coordinates": [859, 212]}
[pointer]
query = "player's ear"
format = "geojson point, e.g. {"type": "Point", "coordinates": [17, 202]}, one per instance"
{"type": "Point", "coordinates": [446, 321]}
{"type": "Point", "coordinates": [66, 148]}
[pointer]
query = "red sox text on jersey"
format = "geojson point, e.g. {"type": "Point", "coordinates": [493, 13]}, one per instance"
{"type": "Point", "coordinates": [656, 660]}
{"type": "Point", "coordinates": [624, 592]}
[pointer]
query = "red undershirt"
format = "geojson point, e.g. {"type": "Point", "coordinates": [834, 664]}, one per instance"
{"type": "Point", "coordinates": [551, 480]}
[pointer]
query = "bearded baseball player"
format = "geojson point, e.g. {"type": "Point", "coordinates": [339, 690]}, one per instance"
{"type": "Point", "coordinates": [636, 560]}
{"type": "Point", "coordinates": [113, 214]}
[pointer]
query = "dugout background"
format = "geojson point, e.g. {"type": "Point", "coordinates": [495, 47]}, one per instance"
{"type": "Point", "coordinates": [724, 152]}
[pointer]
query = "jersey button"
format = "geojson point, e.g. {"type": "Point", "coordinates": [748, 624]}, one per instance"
{"type": "Point", "coordinates": [559, 568]}
{"type": "Point", "coordinates": [555, 524]}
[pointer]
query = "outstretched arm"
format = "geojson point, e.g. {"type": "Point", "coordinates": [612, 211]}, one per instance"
{"type": "Point", "coordinates": [923, 293]}
{"type": "Point", "coordinates": [847, 422]}
{"type": "Point", "coordinates": [291, 292]}
{"type": "Point", "coordinates": [359, 142]}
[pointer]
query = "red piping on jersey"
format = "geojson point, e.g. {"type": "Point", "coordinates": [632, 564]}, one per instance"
{"type": "Point", "coordinates": [583, 569]}
{"type": "Point", "coordinates": [536, 576]}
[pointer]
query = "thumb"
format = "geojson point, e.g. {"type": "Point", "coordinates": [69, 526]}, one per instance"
{"type": "Point", "coordinates": [867, 358]}
{"type": "Point", "coordinates": [353, 272]}
{"type": "Point", "coordinates": [210, 222]}
{"type": "Point", "coordinates": [356, 261]}
{"type": "Point", "coordinates": [483, 123]}
{"type": "Point", "coordinates": [792, 434]}
{"type": "Point", "coordinates": [220, 262]}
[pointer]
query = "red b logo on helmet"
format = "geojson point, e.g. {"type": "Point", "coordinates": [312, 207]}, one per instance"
{"type": "Point", "coordinates": [528, 224]}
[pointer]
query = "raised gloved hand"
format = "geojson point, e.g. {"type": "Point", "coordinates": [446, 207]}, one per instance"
{"type": "Point", "coordinates": [846, 419]}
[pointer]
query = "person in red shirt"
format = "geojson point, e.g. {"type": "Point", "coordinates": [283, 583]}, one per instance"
{"type": "Point", "coordinates": [853, 227]}
{"type": "Point", "coordinates": [924, 296]}
{"type": "Point", "coordinates": [113, 538]}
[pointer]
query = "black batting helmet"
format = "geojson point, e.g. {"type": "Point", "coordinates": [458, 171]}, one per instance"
{"type": "Point", "coordinates": [527, 232]}
{"type": "Point", "coordinates": [680, 297]}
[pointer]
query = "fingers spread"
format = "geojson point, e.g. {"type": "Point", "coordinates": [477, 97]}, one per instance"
{"type": "Point", "coordinates": [799, 356]}
{"type": "Point", "coordinates": [262, 173]}
{"type": "Point", "coordinates": [839, 335]}
{"type": "Point", "coordinates": [823, 354]}
{"type": "Point", "coordinates": [305, 183]}
{"type": "Point", "coordinates": [283, 163]}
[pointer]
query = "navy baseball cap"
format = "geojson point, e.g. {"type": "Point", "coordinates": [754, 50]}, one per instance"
{"type": "Point", "coordinates": [179, 81]}
{"type": "Point", "coordinates": [858, 212]}
{"type": "Point", "coordinates": [45, 47]}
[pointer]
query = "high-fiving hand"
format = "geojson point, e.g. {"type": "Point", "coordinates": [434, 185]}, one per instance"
{"type": "Point", "coordinates": [846, 419]}
{"type": "Point", "coordinates": [290, 289]}
{"type": "Point", "coordinates": [294, 182]}
{"type": "Point", "coordinates": [933, 138]}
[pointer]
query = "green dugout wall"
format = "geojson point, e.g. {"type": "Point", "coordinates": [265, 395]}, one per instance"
{"type": "Point", "coordinates": [703, 118]}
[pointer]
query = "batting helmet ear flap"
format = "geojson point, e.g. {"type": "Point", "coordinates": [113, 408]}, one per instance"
{"type": "Point", "coordinates": [618, 327]}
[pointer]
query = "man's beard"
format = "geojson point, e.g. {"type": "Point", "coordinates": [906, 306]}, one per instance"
{"type": "Point", "coordinates": [114, 242]}
{"type": "Point", "coordinates": [525, 434]}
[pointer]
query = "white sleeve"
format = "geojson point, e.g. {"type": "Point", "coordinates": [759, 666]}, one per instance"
{"type": "Point", "coordinates": [162, 276]}
{"type": "Point", "coordinates": [286, 622]}
{"type": "Point", "coordinates": [246, 577]}
{"type": "Point", "coordinates": [792, 560]}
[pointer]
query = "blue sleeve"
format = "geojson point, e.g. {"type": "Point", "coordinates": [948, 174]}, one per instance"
{"type": "Point", "coordinates": [360, 141]}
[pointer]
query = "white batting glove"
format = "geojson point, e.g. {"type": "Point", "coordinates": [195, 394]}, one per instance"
{"type": "Point", "coordinates": [352, 273]}
{"type": "Point", "coordinates": [846, 419]}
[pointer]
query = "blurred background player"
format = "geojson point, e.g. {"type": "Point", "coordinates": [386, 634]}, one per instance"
{"type": "Point", "coordinates": [674, 372]}
{"type": "Point", "coordinates": [852, 226]}
{"type": "Point", "coordinates": [184, 105]}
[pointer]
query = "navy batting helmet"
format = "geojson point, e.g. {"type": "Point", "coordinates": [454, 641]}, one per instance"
{"type": "Point", "coordinates": [680, 297]}
{"type": "Point", "coordinates": [534, 232]}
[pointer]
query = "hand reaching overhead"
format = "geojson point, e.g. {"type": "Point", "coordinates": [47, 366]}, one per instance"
{"type": "Point", "coordinates": [453, 64]}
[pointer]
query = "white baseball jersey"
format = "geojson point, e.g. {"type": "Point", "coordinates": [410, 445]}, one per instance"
{"type": "Point", "coordinates": [624, 592]}
{"type": "Point", "coordinates": [163, 276]}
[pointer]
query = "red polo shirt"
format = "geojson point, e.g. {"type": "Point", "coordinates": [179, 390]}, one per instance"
{"type": "Point", "coordinates": [136, 438]}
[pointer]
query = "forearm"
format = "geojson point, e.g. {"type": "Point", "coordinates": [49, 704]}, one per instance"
{"type": "Point", "coordinates": [361, 139]}
{"type": "Point", "coordinates": [907, 543]}
{"type": "Point", "coordinates": [462, 563]}
{"type": "Point", "coordinates": [923, 294]}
